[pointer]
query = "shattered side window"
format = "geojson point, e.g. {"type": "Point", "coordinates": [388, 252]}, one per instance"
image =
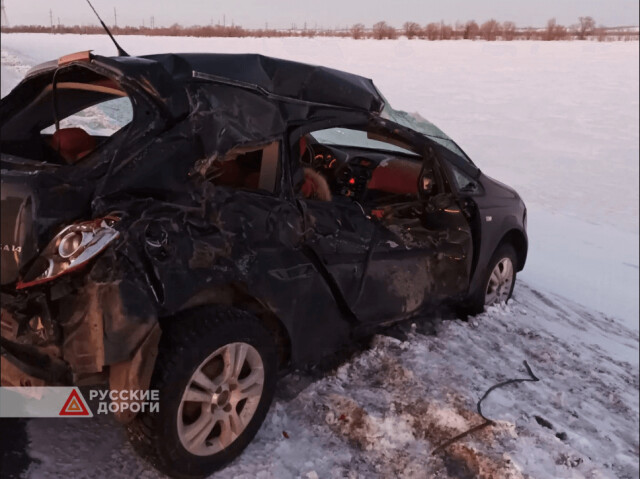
{"type": "Point", "coordinates": [252, 167]}
{"type": "Point", "coordinates": [103, 119]}
{"type": "Point", "coordinates": [64, 122]}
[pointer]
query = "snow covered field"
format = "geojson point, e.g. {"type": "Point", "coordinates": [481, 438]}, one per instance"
{"type": "Point", "coordinates": [557, 121]}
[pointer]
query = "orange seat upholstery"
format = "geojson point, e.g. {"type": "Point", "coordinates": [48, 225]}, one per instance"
{"type": "Point", "coordinates": [72, 143]}
{"type": "Point", "coordinates": [396, 176]}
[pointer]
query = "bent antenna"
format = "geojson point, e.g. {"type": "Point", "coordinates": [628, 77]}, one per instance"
{"type": "Point", "coordinates": [121, 52]}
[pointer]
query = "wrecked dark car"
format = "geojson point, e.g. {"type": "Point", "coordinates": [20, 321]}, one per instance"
{"type": "Point", "coordinates": [197, 224]}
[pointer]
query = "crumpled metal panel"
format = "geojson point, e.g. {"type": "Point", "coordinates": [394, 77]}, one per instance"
{"type": "Point", "coordinates": [281, 77]}
{"type": "Point", "coordinates": [184, 241]}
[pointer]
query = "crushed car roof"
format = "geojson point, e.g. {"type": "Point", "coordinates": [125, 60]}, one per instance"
{"type": "Point", "coordinates": [284, 78]}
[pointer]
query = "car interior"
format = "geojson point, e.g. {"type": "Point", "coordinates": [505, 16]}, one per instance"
{"type": "Point", "coordinates": [252, 167]}
{"type": "Point", "coordinates": [359, 166]}
{"type": "Point", "coordinates": [74, 114]}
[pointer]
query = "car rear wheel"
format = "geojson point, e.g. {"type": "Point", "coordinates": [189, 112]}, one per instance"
{"type": "Point", "coordinates": [215, 375]}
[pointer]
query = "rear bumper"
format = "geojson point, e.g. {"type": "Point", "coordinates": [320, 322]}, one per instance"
{"type": "Point", "coordinates": [88, 336]}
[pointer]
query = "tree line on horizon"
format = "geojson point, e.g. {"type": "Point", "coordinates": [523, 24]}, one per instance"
{"type": "Point", "coordinates": [491, 30]}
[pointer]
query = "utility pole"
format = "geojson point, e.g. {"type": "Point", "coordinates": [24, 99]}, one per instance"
{"type": "Point", "coordinates": [224, 20]}
{"type": "Point", "coordinates": [5, 18]}
{"type": "Point", "coordinates": [115, 17]}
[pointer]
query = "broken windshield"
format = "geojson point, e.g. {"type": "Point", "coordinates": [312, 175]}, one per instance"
{"type": "Point", "coordinates": [355, 138]}
{"type": "Point", "coordinates": [421, 125]}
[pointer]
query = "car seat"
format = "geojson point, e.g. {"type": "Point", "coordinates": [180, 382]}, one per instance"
{"type": "Point", "coordinates": [396, 176]}
{"type": "Point", "coordinates": [72, 144]}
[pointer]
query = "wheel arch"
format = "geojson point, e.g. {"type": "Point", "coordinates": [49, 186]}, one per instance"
{"type": "Point", "coordinates": [236, 296]}
{"type": "Point", "coordinates": [516, 238]}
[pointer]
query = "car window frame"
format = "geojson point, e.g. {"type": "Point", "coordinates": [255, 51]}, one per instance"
{"type": "Point", "coordinates": [143, 106]}
{"type": "Point", "coordinates": [352, 120]}
{"type": "Point", "coordinates": [279, 171]}
{"type": "Point", "coordinates": [450, 170]}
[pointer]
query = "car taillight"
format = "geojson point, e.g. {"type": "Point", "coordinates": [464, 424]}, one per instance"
{"type": "Point", "coordinates": [71, 249]}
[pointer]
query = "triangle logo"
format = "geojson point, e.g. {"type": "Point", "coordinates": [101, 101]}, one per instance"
{"type": "Point", "coordinates": [74, 406]}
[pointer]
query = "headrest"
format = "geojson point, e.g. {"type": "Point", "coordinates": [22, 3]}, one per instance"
{"type": "Point", "coordinates": [72, 143]}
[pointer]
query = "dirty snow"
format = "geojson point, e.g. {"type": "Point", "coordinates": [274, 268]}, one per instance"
{"type": "Point", "coordinates": [559, 122]}
{"type": "Point", "coordinates": [382, 413]}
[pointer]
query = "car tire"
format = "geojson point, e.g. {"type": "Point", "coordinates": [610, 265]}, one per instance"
{"type": "Point", "coordinates": [505, 254]}
{"type": "Point", "coordinates": [229, 347]}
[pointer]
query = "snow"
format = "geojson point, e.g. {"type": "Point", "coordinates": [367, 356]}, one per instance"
{"type": "Point", "coordinates": [559, 122]}
{"type": "Point", "coordinates": [383, 412]}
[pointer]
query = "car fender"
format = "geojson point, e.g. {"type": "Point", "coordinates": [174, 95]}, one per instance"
{"type": "Point", "coordinates": [493, 237]}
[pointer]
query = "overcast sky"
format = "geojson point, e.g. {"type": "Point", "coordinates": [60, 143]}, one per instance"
{"type": "Point", "coordinates": [326, 13]}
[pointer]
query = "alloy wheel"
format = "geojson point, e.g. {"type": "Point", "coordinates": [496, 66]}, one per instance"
{"type": "Point", "coordinates": [220, 399]}
{"type": "Point", "coordinates": [500, 283]}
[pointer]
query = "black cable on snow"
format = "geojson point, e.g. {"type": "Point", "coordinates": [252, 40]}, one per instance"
{"type": "Point", "coordinates": [487, 422]}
